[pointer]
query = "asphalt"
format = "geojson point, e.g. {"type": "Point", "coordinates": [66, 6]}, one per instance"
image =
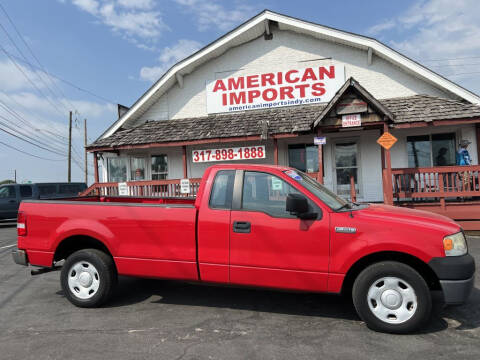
{"type": "Point", "coordinates": [156, 319]}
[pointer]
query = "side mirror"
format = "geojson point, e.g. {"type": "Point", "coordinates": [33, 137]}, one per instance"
{"type": "Point", "coordinates": [297, 204]}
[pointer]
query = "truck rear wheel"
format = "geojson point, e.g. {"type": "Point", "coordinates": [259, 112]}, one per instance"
{"type": "Point", "coordinates": [88, 278]}
{"type": "Point", "coordinates": [392, 297]}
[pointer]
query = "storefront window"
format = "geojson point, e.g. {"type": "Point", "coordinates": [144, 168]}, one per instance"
{"type": "Point", "coordinates": [117, 169]}
{"type": "Point", "coordinates": [303, 157]}
{"type": "Point", "coordinates": [159, 167]}
{"type": "Point", "coordinates": [431, 150]}
{"type": "Point", "coordinates": [137, 169]}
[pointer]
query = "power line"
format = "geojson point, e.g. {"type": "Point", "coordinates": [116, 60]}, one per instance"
{"type": "Point", "coordinates": [34, 56]}
{"type": "Point", "coordinates": [30, 80]}
{"type": "Point", "coordinates": [27, 136]}
{"type": "Point", "coordinates": [32, 143]}
{"type": "Point", "coordinates": [26, 153]}
{"type": "Point", "coordinates": [21, 53]}
{"type": "Point", "coordinates": [63, 80]}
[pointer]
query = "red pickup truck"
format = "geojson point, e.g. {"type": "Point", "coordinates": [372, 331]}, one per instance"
{"type": "Point", "coordinates": [254, 225]}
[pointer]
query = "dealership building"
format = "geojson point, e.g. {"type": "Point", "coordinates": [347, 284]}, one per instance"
{"type": "Point", "coordinates": [280, 90]}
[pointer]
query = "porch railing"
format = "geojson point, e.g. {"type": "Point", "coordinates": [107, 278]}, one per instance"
{"type": "Point", "coordinates": [436, 182]}
{"type": "Point", "coordinates": [153, 188]}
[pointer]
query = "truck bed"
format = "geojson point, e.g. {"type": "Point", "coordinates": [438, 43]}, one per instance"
{"type": "Point", "coordinates": [153, 237]}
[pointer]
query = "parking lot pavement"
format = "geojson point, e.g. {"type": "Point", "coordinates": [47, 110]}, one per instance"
{"type": "Point", "coordinates": [171, 320]}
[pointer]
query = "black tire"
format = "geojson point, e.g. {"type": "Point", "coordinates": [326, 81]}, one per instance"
{"type": "Point", "coordinates": [410, 279]}
{"type": "Point", "coordinates": [104, 273]}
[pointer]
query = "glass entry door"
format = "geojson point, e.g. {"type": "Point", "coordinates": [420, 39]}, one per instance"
{"type": "Point", "coordinates": [346, 164]}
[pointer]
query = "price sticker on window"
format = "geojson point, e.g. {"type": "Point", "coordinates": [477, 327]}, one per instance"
{"type": "Point", "coordinates": [229, 154]}
{"type": "Point", "coordinates": [276, 183]}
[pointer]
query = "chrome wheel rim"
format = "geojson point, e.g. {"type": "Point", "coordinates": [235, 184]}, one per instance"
{"type": "Point", "coordinates": [392, 300]}
{"type": "Point", "coordinates": [83, 280]}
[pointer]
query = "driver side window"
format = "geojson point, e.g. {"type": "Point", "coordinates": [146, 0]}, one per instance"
{"type": "Point", "coordinates": [266, 193]}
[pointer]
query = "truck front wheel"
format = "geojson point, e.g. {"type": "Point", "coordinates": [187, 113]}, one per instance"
{"type": "Point", "coordinates": [88, 278]}
{"type": "Point", "coordinates": [392, 297]}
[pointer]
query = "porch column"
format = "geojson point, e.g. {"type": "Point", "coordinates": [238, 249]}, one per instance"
{"type": "Point", "coordinates": [275, 151]}
{"type": "Point", "coordinates": [184, 159]}
{"type": "Point", "coordinates": [387, 172]}
{"type": "Point", "coordinates": [320, 160]}
{"type": "Point", "coordinates": [95, 166]}
{"type": "Point", "coordinates": [477, 127]}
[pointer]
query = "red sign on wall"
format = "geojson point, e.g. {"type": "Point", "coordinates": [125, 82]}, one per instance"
{"type": "Point", "coordinates": [314, 84]}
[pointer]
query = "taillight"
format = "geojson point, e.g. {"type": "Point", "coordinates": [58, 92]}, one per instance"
{"type": "Point", "coordinates": [21, 224]}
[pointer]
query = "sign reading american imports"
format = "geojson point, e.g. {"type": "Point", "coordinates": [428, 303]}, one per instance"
{"type": "Point", "coordinates": [283, 88]}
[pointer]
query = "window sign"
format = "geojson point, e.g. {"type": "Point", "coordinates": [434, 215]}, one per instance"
{"type": "Point", "coordinates": [184, 186]}
{"type": "Point", "coordinates": [276, 183]}
{"type": "Point", "coordinates": [123, 189]}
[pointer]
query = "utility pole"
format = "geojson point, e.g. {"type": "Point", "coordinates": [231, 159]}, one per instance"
{"type": "Point", "coordinates": [85, 143]}
{"type": "Point", "coordinates": [70, 149]}
{"type": "Point", "coordinates": [15, 176]}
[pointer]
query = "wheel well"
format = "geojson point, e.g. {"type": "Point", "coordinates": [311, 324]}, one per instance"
{"type": "Point", "coordinates": [74, 243]}
{"type": "Point", "coordinates": [423, 269]}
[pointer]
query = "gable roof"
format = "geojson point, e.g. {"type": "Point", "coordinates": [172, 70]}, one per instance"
{"type": "Point", "coordinates": [351, 83]}
{"type": "Point", "coordinates": [259, 25]}
{"type": "Point", "coordinates": [284, 120]}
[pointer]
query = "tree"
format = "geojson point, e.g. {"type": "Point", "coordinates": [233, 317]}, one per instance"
{"type": "Point", "coordinates": [3, 182]}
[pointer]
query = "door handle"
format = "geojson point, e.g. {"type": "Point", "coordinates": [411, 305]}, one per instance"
{"type": "Point", "coordinates": [12, 201]}
{"type": "Point", "coordinates": [241, 227]}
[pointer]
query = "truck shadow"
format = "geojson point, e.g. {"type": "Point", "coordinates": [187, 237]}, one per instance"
{"type": "Point", "coordinates": [132, 291]}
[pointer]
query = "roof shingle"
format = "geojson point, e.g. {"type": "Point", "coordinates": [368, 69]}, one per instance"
{"type": "Point", "coordinates": [294, 119]}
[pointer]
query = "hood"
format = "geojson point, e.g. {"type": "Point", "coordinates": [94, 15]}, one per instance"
{"type": "Point", "coordinates": [410, 217]}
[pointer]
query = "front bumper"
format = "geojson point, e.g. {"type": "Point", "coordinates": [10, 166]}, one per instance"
{"type": "Point", "coordinates": [20, 257]}
{"type": "Point", "coordinates": [456, 276]}
{"type": "Point", "coordinates": [456, 291]}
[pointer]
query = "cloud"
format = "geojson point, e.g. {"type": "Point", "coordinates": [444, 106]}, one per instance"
{"type": "Point", "coordinates": [439, 29]}
{"type": "Point", "coordinates": [211, 13]}
{"type": "Point", "coordinates": [137, 4]}
{"type": "Point", "coordinates": [135, 20]}
{"type": "Point", "coordinates": [168, 57]}
{"type": "Point", "coordinates": [12, 79]}
{"type": "Point", "coordinates": [380, 27]}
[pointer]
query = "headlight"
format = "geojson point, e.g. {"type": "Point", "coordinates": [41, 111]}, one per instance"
{"type": "Point", "coordinates": [455, 245]}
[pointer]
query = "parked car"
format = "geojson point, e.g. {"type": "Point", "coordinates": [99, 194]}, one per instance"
{"type": "Point", "coordinates": [12, 194]}
{"type": "Point", "coordinates": [254, 225]}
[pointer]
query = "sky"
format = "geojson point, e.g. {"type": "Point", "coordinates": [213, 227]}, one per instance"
{"type": "Point", "coordinates": [87, 56]}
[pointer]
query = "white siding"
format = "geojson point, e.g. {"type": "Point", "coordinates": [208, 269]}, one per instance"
{"type": "Point", "coordinates": [286, 49]}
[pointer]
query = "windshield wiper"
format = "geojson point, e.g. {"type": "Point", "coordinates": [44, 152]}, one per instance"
{"type": "Point", "coordinates": [344, 206]}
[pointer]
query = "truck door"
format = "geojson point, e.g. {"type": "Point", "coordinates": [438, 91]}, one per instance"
{"type": "Point", "coordinates": [214, 228]}
{"type": "Point", "coordinates": [8, 202]}
{"type": "Point", "coordinates": [269, 246]}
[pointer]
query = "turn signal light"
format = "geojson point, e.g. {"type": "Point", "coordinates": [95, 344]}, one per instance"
{"type": "Point", "coordinates": [21, 224]}
{"type": "Point", "coordinates": [447, 244]}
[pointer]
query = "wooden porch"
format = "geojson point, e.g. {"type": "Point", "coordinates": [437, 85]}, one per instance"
{"type": "Point", "coordinates": [453, 191]}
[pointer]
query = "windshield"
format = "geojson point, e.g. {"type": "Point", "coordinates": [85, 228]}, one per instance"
{"type": "Point", "coordinates": [328, 197]}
